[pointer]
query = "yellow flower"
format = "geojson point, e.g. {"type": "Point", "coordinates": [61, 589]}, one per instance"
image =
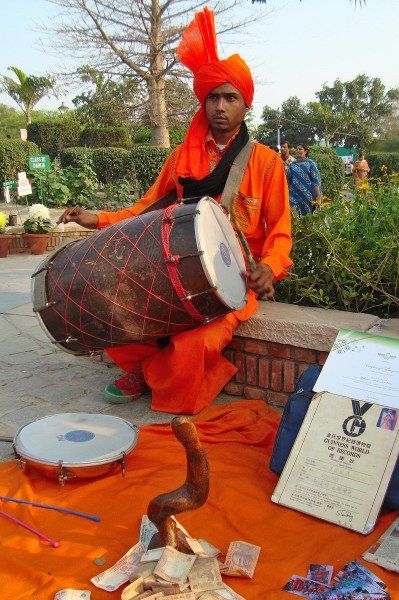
{"type": "Point", "coordinates": [383, 167]}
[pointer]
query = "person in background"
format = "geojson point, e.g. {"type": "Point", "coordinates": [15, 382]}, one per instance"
{"type": "Point", "coordinates": [275, 148]}
{"type": "Point", "coordinates": [304, 182]}
{"type": "Point", "coordinates": [287, 158]}
{"type": "Point", "coordinates": [361, 169]}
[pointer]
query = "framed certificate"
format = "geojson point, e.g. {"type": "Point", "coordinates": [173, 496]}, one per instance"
{"type": "Point", "coordinates": [341, 463]}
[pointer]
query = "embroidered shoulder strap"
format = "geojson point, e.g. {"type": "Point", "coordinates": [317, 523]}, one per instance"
{"type": "Point", "coordinates": [236, 174]}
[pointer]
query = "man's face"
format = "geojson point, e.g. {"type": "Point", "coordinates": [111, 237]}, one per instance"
{"type": "Point", "coordinates": [284, 150]}
{"type": "Point", "coordinates": [225, 109]}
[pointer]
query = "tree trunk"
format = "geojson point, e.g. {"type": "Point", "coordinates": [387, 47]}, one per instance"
{"type": "Point", "coordinates": [158, 113]}
{"type": "Point", "coordinates": [156, 82]}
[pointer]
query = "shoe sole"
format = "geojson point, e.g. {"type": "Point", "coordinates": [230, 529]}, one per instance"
{"type": "Point", "coordinates": [116, 399]}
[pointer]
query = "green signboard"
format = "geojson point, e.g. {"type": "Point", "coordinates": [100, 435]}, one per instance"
{"type": "Point", "coordinates": [39, 162]}
{"type": "Point", "coordinates": [11, 185]}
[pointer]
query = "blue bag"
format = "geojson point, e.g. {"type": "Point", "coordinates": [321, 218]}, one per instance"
{"type": "Point", "coordinates": [290, 424]}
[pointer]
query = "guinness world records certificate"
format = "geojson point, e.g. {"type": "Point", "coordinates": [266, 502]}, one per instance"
{"type": "Point", "coordinates": [341, 463]}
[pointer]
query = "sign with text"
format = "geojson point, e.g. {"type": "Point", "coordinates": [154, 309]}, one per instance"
{"type": "Point", "coordinates": [342, 461]}
{"type": "Point", "coordinates": [39, 162]}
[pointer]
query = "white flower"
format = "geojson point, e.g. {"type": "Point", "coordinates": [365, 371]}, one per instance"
{"type": "Point", "coordinates": [38, 212]}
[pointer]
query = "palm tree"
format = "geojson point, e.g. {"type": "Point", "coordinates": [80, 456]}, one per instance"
{"type": "Point", "coordinates": [27, 91]}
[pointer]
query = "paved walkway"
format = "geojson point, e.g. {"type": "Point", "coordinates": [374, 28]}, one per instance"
{"type": "Point", "coordinates": [37, 379]}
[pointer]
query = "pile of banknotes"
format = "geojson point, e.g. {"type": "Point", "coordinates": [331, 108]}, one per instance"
{"type": "Point", "coordinates": [353, 582]}
{"type": "Point", "coordinates": [193, 574]}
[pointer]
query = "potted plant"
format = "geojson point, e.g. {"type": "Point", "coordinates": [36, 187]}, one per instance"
{"type": "Point", "coordinates": [4, 238]}
{"type": "Point", "coordinates": [37, 227]}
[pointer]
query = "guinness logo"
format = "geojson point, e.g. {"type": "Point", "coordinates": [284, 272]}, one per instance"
{"type": "Point", "coordinates": [355, 425]}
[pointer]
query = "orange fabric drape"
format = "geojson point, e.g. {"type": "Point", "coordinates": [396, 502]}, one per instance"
{"type": "Point", "coordinates": [238, 438]}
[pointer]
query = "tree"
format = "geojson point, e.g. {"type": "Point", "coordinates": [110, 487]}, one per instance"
{"type": "Point", "coordinates": [358, 107]}
{"type": "Point", "coordinates": [111, 101]}
{"type": "Point", "coordinates": [27, 91]}
{"type": "Point", "coordinates": [293, 120]}
{"type": "Point", "coordinates": [138, 37]}
{"type": "Point", "coordinates": [12, 120]}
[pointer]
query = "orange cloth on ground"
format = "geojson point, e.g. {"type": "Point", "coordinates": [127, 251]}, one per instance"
{"type": "Point", "coordinates": [238, 438]}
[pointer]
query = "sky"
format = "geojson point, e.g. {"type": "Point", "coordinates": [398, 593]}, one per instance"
{"type": "Point", "coordinates": [292, 51]}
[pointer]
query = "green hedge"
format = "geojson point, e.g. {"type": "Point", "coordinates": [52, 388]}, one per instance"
{"type": "Point", "coordinates": [52, 135]}
{"type": "Point", "coordinates": [73, 157]}
{"type": "Point", "coordinates": [105, 137]}
{"type": "Point", "coordinates": [147, 164]}
{"type": "Point", "coordinates": [14, 157]}
{"type": "Point", "coordinates": [332, 171]}
{"type": "Point", "coordinates": [346, 255]}
{"type": "Point", "coordinates": [113, 165]}
{"type": "Point", "coordinates": [376, 160]}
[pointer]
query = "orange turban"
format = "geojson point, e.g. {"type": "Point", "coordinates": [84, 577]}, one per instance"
{"type": "Point", "coordinates": [198, 52]}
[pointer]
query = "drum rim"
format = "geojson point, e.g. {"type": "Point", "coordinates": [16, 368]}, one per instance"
{"type": "Point", "coordinates": [106, 460]}
{"type": "Point", "coordinates": [203, 262]}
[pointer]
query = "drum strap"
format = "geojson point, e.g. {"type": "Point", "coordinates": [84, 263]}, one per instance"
{"type": "Point", "coordinates": [236, 174]}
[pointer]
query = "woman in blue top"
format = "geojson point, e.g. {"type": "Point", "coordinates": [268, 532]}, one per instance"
{"type": "Point", "coordinates": [304, 182]}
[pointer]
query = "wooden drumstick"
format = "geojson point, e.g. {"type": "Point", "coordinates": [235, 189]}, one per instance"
{"type": "Point", "coordinates": [191, 495]}
{"type": "Point", "coordinates": [243, 240]}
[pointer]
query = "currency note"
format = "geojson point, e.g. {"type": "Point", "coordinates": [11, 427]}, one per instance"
{"type": "Point", "coordinates": [147, 530]}
{"type": "Point", "coordinates": [205, 575]}
{"type": "Point", "coordinates": [241, 559]}
{"type": "Point", "coordinates": [152, 555]}
{"type": "Point", "coordinates": [228, 594]}
{"type": "Point", "coordinates": [133, 590]}
{"type": "Point", "coordinates": [385, 551]}
{"type": "Point", "coordinates": [201, 547]}
{"type": "Point", "coordinates": [174, 565]}
{"type": "Point", "coordinates": [143, 570]}
{"type": "Point", "coordinates": [70, 594]}
{"type": "Point", "coordinates": [119, 573]}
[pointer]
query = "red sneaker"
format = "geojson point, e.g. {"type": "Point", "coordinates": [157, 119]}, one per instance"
{"type": "Point", "coordinates": [129, 387]}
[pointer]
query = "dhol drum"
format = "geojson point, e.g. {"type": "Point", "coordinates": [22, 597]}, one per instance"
{"type": "Point", "coordinates": [141, 279]}
{"type": "Point", "coordinates": [71, 446]}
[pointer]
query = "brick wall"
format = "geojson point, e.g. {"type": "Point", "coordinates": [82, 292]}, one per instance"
{"type": "Point", "coordinates": [267, 370]}
{"type": "Point", "coordinates": [18, 243]}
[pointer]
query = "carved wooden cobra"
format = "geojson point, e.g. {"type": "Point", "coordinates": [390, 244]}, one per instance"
{"type": "Point", "coordinates": [191, 495]}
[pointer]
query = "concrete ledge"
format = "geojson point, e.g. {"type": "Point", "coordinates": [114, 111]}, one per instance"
{"type": "Point", "coordinates": [305, 327]}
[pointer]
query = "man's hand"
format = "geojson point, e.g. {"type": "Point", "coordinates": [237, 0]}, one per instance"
{"type": "Point", "coordinates": [261, 280]}
{"type": "Point", "coordinates": [79, 215]}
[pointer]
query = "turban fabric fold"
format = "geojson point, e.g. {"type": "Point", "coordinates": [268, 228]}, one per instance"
{"type": "Point", "coordinates": [198, 52]}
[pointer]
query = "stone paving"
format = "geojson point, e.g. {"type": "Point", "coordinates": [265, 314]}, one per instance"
{"type": "Point", "coordinates": [37, 379]}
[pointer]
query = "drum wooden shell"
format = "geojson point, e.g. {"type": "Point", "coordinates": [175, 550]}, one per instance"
{"type": "Point", "coordinates": [124, 283]}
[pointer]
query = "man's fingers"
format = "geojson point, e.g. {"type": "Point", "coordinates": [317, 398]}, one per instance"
{"type": "Point", "coordinates": [68, 214]}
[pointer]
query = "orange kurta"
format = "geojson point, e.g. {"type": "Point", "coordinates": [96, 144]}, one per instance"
{"type": "Point", "coordinates": [188, 374]}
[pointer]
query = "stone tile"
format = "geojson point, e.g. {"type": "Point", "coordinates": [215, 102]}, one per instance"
{"type": "Point", "coordinates": [22, 323]}
{"type": "Point", "coordinates": [7, 329]}
{"type": "Point", "coordinates": [21, 344]}
{"type": "Point", "coordinates": [12, 421]}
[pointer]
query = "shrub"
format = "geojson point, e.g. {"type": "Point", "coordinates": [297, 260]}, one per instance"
{"type": "Point", "coordinates": [332, 171]}
{"type": "Point", "coordinates": [105, 137]}
{"type": "Point", "coordinates": [113, 164]}
{"type": "Point", "coordinates": [376, 160]}
{"type": "Point", "coordinates": [74, 157]}
{"type": "Point", "coordinates": [346, 255]}
{"type": "Point", "coordinates": [147, 164]}
{"type": "Point", "coordinates": [69, 185]}
{"type": "Point", "coordinates": [52, 135]}
{"type": "Point", "coordinates": [14, 157]}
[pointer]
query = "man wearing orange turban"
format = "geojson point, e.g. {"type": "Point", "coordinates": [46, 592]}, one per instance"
{"type": "Point", "coordinates": [186, 374]}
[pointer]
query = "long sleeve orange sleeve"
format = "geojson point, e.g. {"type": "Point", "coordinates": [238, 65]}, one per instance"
{"type": "Point", "coordinates": [278, 243]}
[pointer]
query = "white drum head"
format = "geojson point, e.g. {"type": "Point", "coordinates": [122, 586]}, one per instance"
{"type": "Point", "coordinates": [76, 439]}
{"type": "Point", "coordinates": [222, 257]}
